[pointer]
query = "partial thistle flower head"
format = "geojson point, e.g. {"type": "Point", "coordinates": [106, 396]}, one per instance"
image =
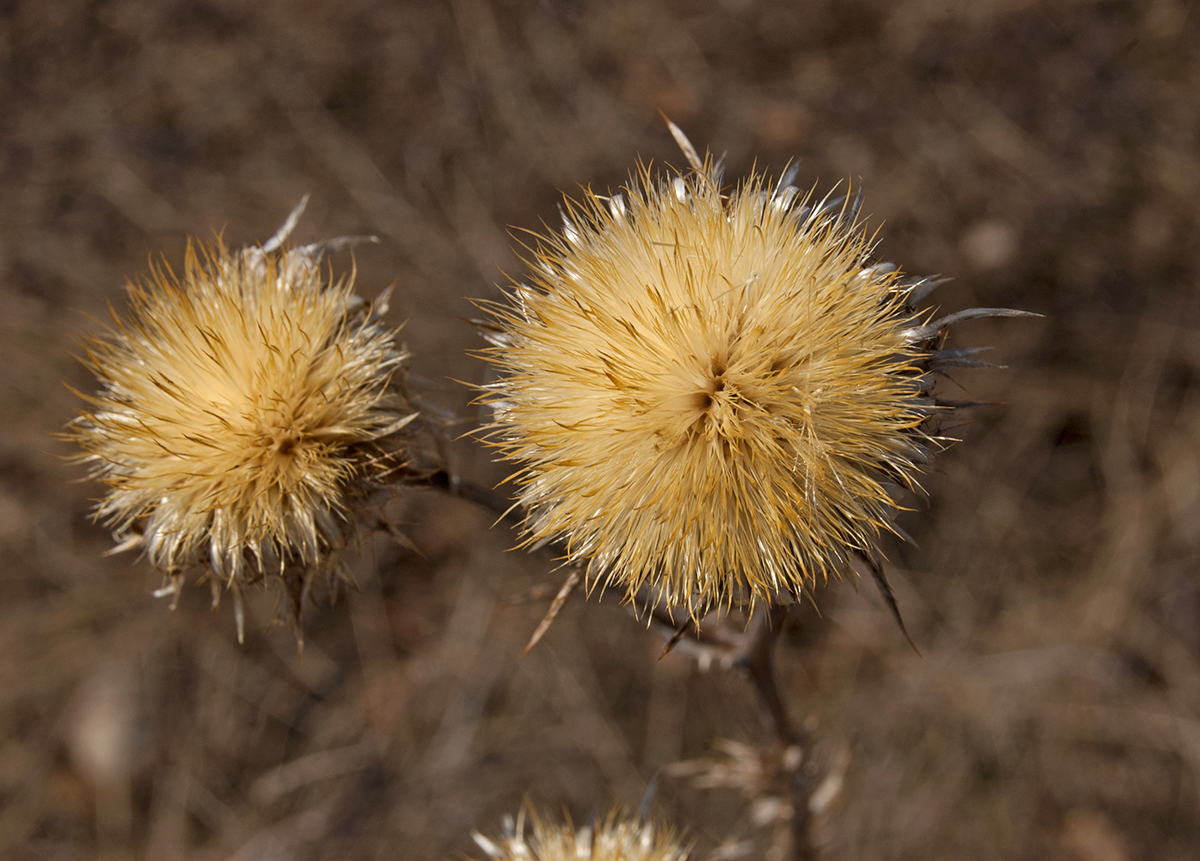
{"type": "Point", "coordinates": [247, 408]}
{"type": "Point", "coordinates": [617, 838]}
{"type": "Point", "coordinates": [713, 395]}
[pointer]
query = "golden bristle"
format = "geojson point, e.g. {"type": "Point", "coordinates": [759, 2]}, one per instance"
{"type": "Point", "coordinates": [618, 838]}
{"type": "Point", "coordinates": [711, 394]}
{"type": "Point", "coordinates": [244, 409]}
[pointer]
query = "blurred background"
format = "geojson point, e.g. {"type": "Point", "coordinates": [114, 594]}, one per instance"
{"type": "Point", "coordinates": [1044, 154]}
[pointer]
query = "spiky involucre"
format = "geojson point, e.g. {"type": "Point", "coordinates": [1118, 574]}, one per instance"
{"type": "Point", "coordinates": [618, 838]}
{"type": "Point", "coordinates": [712, 394]}
{"type": "Point", "coordinates": [244, 408]}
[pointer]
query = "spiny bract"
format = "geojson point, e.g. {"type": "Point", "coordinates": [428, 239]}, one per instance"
{"type": "Point", "coordinates": [712, 394]}
{"type": "Point", "coordinates": [616, 839]}
{"type": "Point", "coordinates": [244, 409]}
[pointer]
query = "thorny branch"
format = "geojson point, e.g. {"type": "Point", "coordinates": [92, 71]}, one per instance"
{"type": "Point", "coordinates": [757, 660]}
{"type": "Point", "coordinates": [784, 770]}
{"type": "Point", "coordinates": [751, 650]}
{"type": "Point", "coordinates": [455, 485]}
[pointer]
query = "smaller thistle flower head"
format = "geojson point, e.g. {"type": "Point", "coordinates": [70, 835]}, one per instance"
{"type": "Point", "coordinates": [712, 394]}
{"type": "Point", "coordinates": [245, 409]}
{"type": "Point", "coordinates": [618, 838]}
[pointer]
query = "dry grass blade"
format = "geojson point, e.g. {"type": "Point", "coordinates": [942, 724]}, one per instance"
{"type": "Point", "coordinates": [556, 606]}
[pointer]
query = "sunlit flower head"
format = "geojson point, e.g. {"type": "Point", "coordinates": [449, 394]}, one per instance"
{"type": "Point", "coordinates": [246, 408]}
{"type": "Point", "coordinates": [712, 394]}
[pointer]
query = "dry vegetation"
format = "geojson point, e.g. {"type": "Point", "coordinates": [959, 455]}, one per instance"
{"type": "Point", "coordinates": [1044, 154]}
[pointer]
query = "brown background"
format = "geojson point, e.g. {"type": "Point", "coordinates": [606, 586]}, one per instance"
{"type": "Point", "coordinates": [1043, 154]}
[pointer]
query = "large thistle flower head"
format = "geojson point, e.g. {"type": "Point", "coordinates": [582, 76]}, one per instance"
{"type": "Point", "coordinates": [711, 393]}
{"type": "Point", "coordinates": [617, 838]}
{"type": "Point", "coordinates": [246, 407]}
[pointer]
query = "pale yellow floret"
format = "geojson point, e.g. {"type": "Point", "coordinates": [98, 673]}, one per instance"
{"type": "Point", "coordinates": [710, 394]}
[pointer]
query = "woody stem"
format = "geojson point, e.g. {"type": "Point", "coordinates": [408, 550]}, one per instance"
{"type": "Point", "coordinates": [757, 660]}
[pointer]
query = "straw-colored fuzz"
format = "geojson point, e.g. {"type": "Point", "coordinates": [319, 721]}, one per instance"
{"type": "Point", "coordinates": [618, 838]}
{"type": "Point", "coordinates": [243, 407]}
{"type": "Point", "coordinates": [711, 394]}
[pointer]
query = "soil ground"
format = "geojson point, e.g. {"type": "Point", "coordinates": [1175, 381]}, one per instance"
{"type": "Point", "coordinates": [1044, 154]}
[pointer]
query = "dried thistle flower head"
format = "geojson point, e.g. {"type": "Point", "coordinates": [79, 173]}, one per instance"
{"type": "Point", "coordinates": [618, 838]}
{"type": "Point", "coordinates": [245, 410]}
{"type": "Point", "coordinates": [713, 394]}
